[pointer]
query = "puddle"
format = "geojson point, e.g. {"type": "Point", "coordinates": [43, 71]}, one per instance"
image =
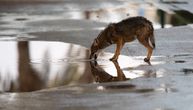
{"type": "Point", "coordinates": [29, 66]}
{"type": "Point", "coordinates": [34, 65]}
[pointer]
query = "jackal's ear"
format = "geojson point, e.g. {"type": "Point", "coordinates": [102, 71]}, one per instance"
{"type": "Point", "coordinates": [112, 26]}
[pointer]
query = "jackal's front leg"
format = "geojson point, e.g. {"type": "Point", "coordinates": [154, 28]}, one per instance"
{"type": "Point", "coordinates": [119, 46]}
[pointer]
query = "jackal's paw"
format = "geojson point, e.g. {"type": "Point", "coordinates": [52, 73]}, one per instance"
{"type": "Point", "coordinates": [146, 60]}
{"type": "Point", "coordinates": [113, 59]}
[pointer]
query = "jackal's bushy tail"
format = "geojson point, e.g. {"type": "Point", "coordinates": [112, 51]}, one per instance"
{"type": "Point", "coordinates": [152, 41]}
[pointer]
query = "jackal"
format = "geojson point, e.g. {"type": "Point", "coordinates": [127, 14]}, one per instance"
{"type": "Point", "coordinates": [125, 31]}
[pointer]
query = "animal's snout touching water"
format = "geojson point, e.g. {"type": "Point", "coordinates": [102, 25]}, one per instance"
{"type": "Point", "coordinates": [124, 31]}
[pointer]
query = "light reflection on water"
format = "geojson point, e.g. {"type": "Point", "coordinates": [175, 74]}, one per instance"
{"type": "Point", "coordinates": [28, 66]}
{"type": "Point", "coordinates": [34, 65]}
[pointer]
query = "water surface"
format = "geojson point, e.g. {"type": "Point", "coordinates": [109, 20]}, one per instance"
{"type": "Point", "coordinates": [34, 65]}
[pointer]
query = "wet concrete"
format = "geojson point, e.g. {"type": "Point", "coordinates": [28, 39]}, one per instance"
{"type": "Point", "coordinates": [129, 83]}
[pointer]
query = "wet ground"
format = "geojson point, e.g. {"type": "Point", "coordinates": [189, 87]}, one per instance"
{"type": "Point", "coordinates": [70, 81]}
{"type": "Point", "coordinates": [45, 50]}
{"type": "Point", "coordinates": [44, 66]}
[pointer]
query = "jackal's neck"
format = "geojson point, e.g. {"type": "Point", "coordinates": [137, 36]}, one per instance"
{"type": "Point", "coordinates": [104, 39]}
{"type": "Point", "coordinates": [103, 42]}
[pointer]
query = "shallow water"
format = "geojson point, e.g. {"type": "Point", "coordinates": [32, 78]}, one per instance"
{"type": "Point", "coordinates": [29, 66]}
{"type": "Point", "coordinates": [33, 65]}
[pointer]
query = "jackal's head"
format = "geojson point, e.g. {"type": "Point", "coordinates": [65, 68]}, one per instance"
{"type": "Point", "coordinates": [102, 41]}
{"type": "Point", "coordinates": [94, 49]}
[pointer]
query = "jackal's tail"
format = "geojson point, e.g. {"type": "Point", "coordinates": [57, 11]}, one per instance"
{"type": "Point", "coordinates": [152, 41]}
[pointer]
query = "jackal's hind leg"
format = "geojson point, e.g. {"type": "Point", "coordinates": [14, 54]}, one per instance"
{"type": "Point", "coordinates": [149, 49]}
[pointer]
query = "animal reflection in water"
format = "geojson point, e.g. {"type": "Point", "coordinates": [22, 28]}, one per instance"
{"type": "Point", "coordinates": [101, 75]}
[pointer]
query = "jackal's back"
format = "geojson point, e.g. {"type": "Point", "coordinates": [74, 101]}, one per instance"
{"type": "Point", "coordinates": [134, 25]}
